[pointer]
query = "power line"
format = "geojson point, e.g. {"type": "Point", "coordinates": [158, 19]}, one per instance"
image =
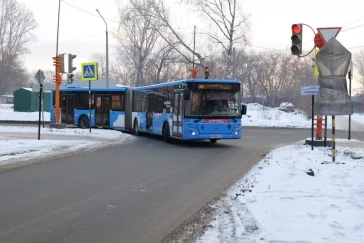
{"type": "Point", "coordinates": [38, 47]}
{"type": "Point", "coordinates": [354, 22]}
{"type": "Point", "coordinates": [356, 47]}
{"type": "Point", "coordinates": [115, 21]}
{"type": "Point", "coordinates": [353, 27]}
{"type": "Point", "coordinates": [88, 12]}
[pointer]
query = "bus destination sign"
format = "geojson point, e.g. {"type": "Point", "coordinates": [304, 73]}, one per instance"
{"type": "Point", "coordinates": [215, 86]}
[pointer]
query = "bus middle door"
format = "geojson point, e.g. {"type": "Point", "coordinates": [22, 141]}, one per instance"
{"type": "Point", "coordinates": [102, 110]}
{"type": "Point", "coordinates": [177, 113]}
{"type": "Point", "coordinates": [149, 113]}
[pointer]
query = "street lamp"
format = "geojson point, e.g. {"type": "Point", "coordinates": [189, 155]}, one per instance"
{"type": "Point", "coordinates": [107, 52]}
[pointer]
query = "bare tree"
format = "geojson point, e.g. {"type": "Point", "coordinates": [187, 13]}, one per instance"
{"type": "Point", "coordinates": [163, 66]}
{"type": "Point", "coordinates": [16, 26]}
{"type": "Point", "coordinates": [231, 24]}
{"type": "Point", "coordinates": [359, 65]}
{"type": "Point", "coordinates": [121, 72]}
{"type": "Point", "coordinates": [157, 10]}
{"type": "Point", "coordinates": [137, 36]}
{"type": "Point", "coordinates": [277, 77]}
{"type": "Point", "coordinates": [101, 61]}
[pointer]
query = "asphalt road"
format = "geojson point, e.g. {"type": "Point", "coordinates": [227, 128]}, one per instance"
{"type": "Point", "coordinates": [136, 192]}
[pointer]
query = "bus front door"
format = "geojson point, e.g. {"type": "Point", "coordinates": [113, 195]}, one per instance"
{"type": "Point", "coordinates": [177, 114]}
{"type": "Point", "coordinates": [68, 108]}
{"type": "Point", "coordinates": [102, 110]}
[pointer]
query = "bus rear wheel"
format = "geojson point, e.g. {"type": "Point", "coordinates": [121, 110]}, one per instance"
{"type": "Point", "coordinates": [166, 134]}
{"type": "Point", "coordinates": [213, 140]}
{"type": "Point", "coordinates": [83, 122]}
{"type": "Point", "coordinates": [136, 128]}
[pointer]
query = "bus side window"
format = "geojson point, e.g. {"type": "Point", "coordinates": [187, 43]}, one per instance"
{"type": "Point", "coordinates": [116, 103]}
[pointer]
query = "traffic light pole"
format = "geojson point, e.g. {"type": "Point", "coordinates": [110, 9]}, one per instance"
{"type": "Point", "coordinates": [58, 79]}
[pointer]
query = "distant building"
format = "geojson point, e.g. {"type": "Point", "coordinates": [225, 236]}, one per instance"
{"type": "Point", "coordinates": [25, 100]}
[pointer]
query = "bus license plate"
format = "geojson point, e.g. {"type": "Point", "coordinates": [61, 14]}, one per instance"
{"type": "Point", "coordinates": [215, 136]}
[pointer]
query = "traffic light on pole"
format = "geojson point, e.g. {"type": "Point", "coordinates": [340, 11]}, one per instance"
{"type": "Point", "coordinates": [296, 38]}
{"type": "Point", "coordinates": [61, 58]}
{"type": "Point", "coordinates": [207, 72]}
{"type": "Point", "coordinates": [71, 68]}
{"type": "Point", "coordinates": [70, 78]}
{"type": "Point", "coordinates": [57, 63]}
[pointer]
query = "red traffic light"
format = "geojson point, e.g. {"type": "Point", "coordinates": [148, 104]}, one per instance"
{"type": "Point", "coordinates": [296, 28]}
{"type": "Point", "coordinates": [207, 69]}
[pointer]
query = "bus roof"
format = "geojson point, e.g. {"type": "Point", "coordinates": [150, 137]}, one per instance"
{"type": "Point", "coordinates": [172, 83]}
{"type": "Point", "coordinates": [92, 89]}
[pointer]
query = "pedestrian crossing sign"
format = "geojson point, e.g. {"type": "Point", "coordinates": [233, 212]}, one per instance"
{"type": "Point", "coordinates": [89, 71]}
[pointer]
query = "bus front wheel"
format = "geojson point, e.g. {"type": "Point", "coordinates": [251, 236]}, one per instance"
{"type": "Point", "coordinates": [213, 140]}
{"type": "Point", "coordinates": [83, 122]}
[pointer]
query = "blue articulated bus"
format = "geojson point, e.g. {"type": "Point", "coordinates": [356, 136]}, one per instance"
{"type": "Point", "coordinates": [107, 107]}
{"type": "Point", "coordinates": [193, 109]}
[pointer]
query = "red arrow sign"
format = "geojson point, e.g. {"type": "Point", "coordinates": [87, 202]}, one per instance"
{"type": "Point", "coordinates": [319, 42]}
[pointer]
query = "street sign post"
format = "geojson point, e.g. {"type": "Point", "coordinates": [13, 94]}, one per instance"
{"type": "Point", "coordinates": [89, 71]}
{"type": "Point", "coordinates": [333, 62]}
{"type": "Point", "coordinates": [322, 36]}
{"type": "Point", "coordinates": [39, 76]}
{"type": "Point", "coordinates": [310, 90]}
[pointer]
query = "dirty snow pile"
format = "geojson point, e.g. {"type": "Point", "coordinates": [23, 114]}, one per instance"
{"type": "Point", "coordinates": [295, 195]}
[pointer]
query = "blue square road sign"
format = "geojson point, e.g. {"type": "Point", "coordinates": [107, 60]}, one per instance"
{"type": "Point", "coordinates": [89, 71]}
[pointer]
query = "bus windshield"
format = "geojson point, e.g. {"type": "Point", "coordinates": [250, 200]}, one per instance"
{"type": "Point", "coordinates": [213, 104]}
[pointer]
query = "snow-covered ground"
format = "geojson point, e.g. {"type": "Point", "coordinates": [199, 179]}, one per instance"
{"type": "Point", "coordinates": [19, 144]}
{"type": "Point", "coordinates": [7, 114]}
{"type": "Point", "coordinates": [279, 202]}
{"type": "Point", "coordinates": [261, 116]}
{"type": "Point", "coordinates": [257, 116]}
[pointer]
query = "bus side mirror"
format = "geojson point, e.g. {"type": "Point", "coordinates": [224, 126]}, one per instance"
{"type": "Point", "coordinates": [243, 109]}
{"type": "Point", "coordinates": [186, 93]}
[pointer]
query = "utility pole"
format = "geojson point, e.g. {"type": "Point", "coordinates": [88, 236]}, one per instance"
{"type": "Point", "coordinates": [107, 52]}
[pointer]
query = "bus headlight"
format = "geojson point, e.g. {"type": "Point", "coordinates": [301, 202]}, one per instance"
{"type": "Point", "coordinates": [193, 133]}
{"type": "Point", "coordinates": [236, 132]}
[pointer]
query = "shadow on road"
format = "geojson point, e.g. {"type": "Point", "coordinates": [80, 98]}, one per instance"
{"type": "Point", "coordinates": [187, 144]}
